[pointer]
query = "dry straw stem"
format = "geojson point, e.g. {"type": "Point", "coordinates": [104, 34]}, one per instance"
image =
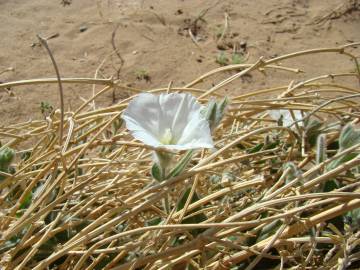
{"type": "Point", "coordinates": [91, 203]}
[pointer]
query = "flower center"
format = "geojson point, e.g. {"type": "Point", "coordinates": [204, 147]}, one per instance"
{"type": "Point", "coordinates": [167, 137]}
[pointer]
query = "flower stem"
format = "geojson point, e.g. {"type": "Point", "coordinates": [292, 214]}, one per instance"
{"type": "Point", "coordinates": [163, 160]}
{"type": "Point", "coordinates": [166, 204]}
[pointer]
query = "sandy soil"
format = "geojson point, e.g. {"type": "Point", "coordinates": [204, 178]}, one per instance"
{"type": "Point", "coordinates": [152, 38]}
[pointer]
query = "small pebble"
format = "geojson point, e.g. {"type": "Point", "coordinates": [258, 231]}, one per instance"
{"type": "Point", "coordinates": [243, 45]}
{"type": "Point", "coordinates": [221, 45]}
{"type": "Point", "coordinates": [83, 28]}
{"type": "Point", "coordinates": [179, 12]}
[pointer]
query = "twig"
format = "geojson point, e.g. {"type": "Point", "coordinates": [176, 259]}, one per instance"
{"type": "Point", "coordinates": [44, 43]}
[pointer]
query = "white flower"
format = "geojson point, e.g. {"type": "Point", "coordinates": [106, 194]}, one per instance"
{"type": "Point", "coordinates": [172, 121]}
{"type": "Point", "coordinates": [287, 118]}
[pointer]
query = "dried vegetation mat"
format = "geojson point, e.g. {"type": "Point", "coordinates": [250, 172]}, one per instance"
{"type": "Point", "coordinates": [280, 190]}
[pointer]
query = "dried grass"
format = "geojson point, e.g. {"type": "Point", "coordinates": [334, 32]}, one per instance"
{"type": "Point", "coordinates": [91, 202]}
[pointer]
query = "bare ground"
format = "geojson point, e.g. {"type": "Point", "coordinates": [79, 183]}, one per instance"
{"type": "Point", "coordinates": [154, 42]}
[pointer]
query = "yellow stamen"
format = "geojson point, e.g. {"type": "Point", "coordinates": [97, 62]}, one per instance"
{"type": "Point", "coordinates": [167, 137]}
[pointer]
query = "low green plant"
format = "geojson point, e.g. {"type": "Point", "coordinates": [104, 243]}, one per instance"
{"type": "Point", "coordinates": [222, 59]}
{"type": "Point", "coordinates": [237, 58]}
{"type": "Point", "coordinates": [142, 74]}
{"type": "Point", "coordinates": [46, 108]}
{"type": "Point", "coordinates": [6, 157]}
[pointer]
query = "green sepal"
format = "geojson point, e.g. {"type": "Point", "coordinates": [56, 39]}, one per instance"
{"type": "Point", "coordinates": [180, 167]}
{"type": "Point", "coordinates": [156, 172]}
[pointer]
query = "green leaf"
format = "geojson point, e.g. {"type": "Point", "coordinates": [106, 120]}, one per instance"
{"type": "Point", "coordinates": [222, 105]}
{"type": "Point", "coordinates": [105, 261]}
{"type": "Point", "coordinates": [312, 130]}
{"type": "Point", "coordinates": [211, 110]}
{"type": "Point", "coordinates": [26, 155]}
{"type": "Point", "coordinates": [215, 179]}
{"type": "Point", "coordinates": [6, 156]}
{"type": "Point", "coordinates": [156, 172]}
{"type": "Point", "coordinates": [330, 185]}
{"type": "Point", "coordinates": [354, 217]}
{"type": "Point", "coordinates": [270, 143]}
{"type": "Point", "coordinates": [293, 173]}
{"type": "Point", "coordinates": [215, 111]}
{"type": "Point", "coordinates": [46, 108]}
{"type": "Point", "coordinates": [193, 219]}
{"type": "Point", "coordinates": [9, 244]}
{"type": "Point", "coordinates": [337, 162]}
{"type": "Point", "coordinates": [222, 59]}
{"type": "Point", "coordinates": [241, 146]}
{"type": "Point", "coordinates": [268, 230]}
{"type": "Point", "coordinates": [153, 221]}
{"type": "Point", "coordinates": [237, 59]}
{"type": "Point", "coordinates": [256, 148]}
{"type": "Point", "coordinates": [27, 201]}
{"type": "Point", "coordinates": [116, 125]}
{"type": "Point", "coordinates": [349, 137]}
{"type": "Point", "coordinates": [180, 167]}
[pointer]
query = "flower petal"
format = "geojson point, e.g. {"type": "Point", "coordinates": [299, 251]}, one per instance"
{"type": "Point", "coordinates": [142, 118]}
{"type": "Point", "coordinates": [197, 133]}
{"type": "Point", "coordinates": [178, 110]}
{"type": "Point", "coordinates": [287, 120]}
{"type": "Point", "coordinates": [177, 116]}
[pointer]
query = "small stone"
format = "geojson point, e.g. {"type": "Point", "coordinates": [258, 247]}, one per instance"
{"type": "Point", "coordinates": [243, 45]}
{"type": "Point", "coordinates": [221, 45]}
{"type": "Point", "coordinates": [83, 28]}
{"type": "Point", "coordinates": [179, 12]}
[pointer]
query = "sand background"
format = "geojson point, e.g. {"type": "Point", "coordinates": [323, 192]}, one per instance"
{"type": "Point", "coordinates": [152, 38]}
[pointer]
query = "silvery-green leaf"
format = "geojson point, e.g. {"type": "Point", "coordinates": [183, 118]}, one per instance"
{"type": "Point", "coordinates": [337, 162]}
{"type": "Point", "coordinates": [349, 136]}
{"type": "Point", "coordinates": [313, 128]}
{"type": "Point", "coordinates": [293, 173]}
{"type": "Point", "coordinates": [215, 111]}
{"type": "Point", "coordinates": [211, 109]}
{"type": "Point", "coordinates": [221, 106]}
{"type": "Point", "coordinates": [6, 156]}
{"type": "Point", "coordinates": [321, 149]}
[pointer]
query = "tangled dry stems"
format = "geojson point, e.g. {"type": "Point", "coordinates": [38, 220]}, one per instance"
{"type": "Point", "coordinates": [91, 202]}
